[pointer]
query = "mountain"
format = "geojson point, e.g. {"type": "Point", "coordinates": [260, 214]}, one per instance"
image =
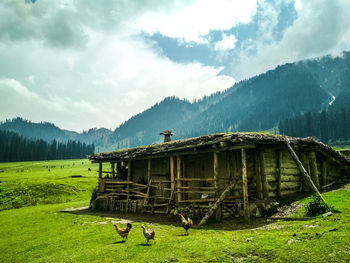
{"type": "Point", "coordinates": [49, 132]}
{"type": "Point", "coordinates": [255, 104]}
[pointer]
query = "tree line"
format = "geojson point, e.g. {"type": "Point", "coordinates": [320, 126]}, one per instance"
{"type": "Point", "coordinates": [332, 126]}
{"type": "Point", "coordinates": [15, 148]}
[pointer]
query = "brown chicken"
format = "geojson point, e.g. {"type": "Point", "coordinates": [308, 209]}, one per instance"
{"type": "Point", "coordinates": [149, 234]}
{"type": "Point", "coordinates": [123, 232]}
{"type": "Point", "coordinates": [187, 224]}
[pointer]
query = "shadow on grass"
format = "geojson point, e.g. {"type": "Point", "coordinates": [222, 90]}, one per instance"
{"type": "Point", "coordinates": [145, 244]}
{"type": "Point", "coordinates": [119, 242]}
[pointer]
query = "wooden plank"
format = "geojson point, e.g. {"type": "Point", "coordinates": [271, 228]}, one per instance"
{"type": "Point", "coordinates": [324, 173]}
{"type": "Point", "coordinates": [258, 177]}
{"type": "Point", "coordinates": [172, 177]}
{"type": "Point", "coordinates": [279, 172]}
{"type": "Point", "coordinates": [245, 185]}
{"type": "Point", "coordinates": [148, 170]}
{"type": "Point", "coordinates": [112, 169]}
{"type": "Point", "coordinates": [179, 175]}
{"type": "Point", "coordinates": [198, 200]}
{"type": "Point", "coordinates": [203, 188]}
{"type": "Point", "coordinates": [305, 163]}
{"type": "Point", "coordinates": [196, 179]}
{"type": "Point", "coordinates": [129, 178]}
{"type": "Point", "coordinates": [101, 185]}
{"type": "Point", "coordinates": [216, 168]}
{"type": "Point", "coordinates": [313, 169]}
{"type": "Point", "coordinates": [99, 170]}
{"type": "Point", "coordinates": [263, 175]}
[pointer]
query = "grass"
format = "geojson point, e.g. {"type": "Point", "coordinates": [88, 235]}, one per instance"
{"type": "Point", "coordinates": [43, 233]}
{"type": "Point", "coordinates": [32, 183]}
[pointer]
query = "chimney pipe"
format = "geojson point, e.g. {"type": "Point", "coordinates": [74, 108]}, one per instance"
{"type": "Point", "coordinates": [167, 134]}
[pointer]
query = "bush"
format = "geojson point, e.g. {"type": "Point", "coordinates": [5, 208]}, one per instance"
{"type": "Point", "coordinates": [316, 206]}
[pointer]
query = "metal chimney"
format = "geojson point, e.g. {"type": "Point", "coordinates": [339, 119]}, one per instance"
{"type": "Point", "coordinates": [167, 134]}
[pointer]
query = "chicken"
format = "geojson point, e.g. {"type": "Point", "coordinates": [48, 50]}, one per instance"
{"type": "Point", "coordinates": [149, 234]}
{"type": "Point", "coordinates": [186, 223]}
{"type": "Point", "coordinates": [123, 232]}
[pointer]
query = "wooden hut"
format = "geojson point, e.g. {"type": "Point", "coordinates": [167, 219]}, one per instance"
{"type": "Point", "coordinates": [191, 174]}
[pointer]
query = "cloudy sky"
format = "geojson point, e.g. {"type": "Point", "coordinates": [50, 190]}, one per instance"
{"type": "Point", "coordinates": [87, 63]}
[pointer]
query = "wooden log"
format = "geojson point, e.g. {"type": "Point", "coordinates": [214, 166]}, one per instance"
{"type": "Point", "coordinates": [288, 192]}
{"type": "Point", "coordinates": [196, 179]}
{"type": "Point", "coordinates": [184, 175]}
{"type": "Point", "coordinates": [290, 178]}
{"type": "Point", "coordinates": [203, 188]}
{"type": "Point", "coordinates": [172, 177]}
{"type": "Point", "coordinates": [112, 169]}
{"type": "Point", "coordinates": [198, 200]}
{"type": "Point", "coordinates": [101, 185]}
{"type": "Point", "coordinates": [99, 170]}
{"type": "Point", "coordinates": [305, 163]}
{"type": "Point", "coordinates": [263, 175]}
{"type": "Point", "coordinates": [129, 178]}
{"type": "Point", "coordinates": [216, 168]}
{"type": "Point", "coordinates": [279, 173]}
{"type": "Point", "coordinates": [289, 185]}
{"type": "Point", "coordinates": [258, 178]}
{"type": "Point", "coordinates": [245, 185]}
{"type": "Point", "coordinates": [304, 173]}
{"type": "Point", "coordinates": [179, 176]}
{"type": "Point", "coordinates": [215, 206]}
{"type": "Point", "coordinates": [119, 170]}
{"type": "Point", "coordinates": [290, 171]}
{"type": "Point", "coordinates": [313, 169]}
{"type": "Point", "coordinates": [148, 170]}
{"type": "Point", "coordinates": [324, 173]}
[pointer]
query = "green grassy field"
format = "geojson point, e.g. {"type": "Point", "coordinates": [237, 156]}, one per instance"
{"type": "Point", "coordinates": [44, 233]}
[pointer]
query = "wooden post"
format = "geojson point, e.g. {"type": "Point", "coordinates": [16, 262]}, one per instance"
{"type": "Point", "coordinates": [279, 174]}
{"type": "Point", "coordinates": [245, 185]}
{"type": "Point", "coordinates": [128, 179]}
{"type": "Point", "coordinates": [148, 170]}
{"type": "Point", "coordinates": [99, 170]}
{"type": "Point", "coordinates": [172, 177]}
{"type": "Point", "coordinates": [119, 169]}
{"type": "Point", "coordinates": [305, 162]}
{"type": "Point", "coordinates": [304, 172]}
{"type": "Point", "coordinates": [113, 171]}
{"type": "Point", "coordinates": [313, 169]}
{"type": "Point", "coordinates": [178, 176]}
{"type": "Point", "coordinates": [324, 173]}
{"type": "Point", "coordinates": [215, 206]}
{"type": "Point", "coordinates": [263, 175]}
{"type": "Point", "coordinates": [216, 185]}
{"type": "Point", "coordinates": [259, 191]}
{"type": "Point", "coordinates": [184, 175]}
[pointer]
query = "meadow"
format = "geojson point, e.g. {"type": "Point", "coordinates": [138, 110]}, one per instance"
{"type": "Point", "coordinates": [53, 229]}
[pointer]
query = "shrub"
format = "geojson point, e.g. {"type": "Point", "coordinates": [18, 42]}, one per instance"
{"type": "Point", "coordinates": [316, 206]}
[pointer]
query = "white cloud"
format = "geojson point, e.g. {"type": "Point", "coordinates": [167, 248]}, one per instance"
{"type": "Point", "coordinates": [226, 43]}
{"type": "Point", "coordinates": [320, 28]}
{"type": "Point", "coordinates": [193, 22]}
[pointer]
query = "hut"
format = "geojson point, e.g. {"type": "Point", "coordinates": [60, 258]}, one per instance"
{"type": "Point", "coordinates": [246, 171]}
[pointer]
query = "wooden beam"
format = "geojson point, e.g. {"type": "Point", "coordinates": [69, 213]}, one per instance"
{"type": "Point", "coordinates": [324, 173]}
{"type": "Point", "coordinates": [313, 169]}
{"type": "Point", "coordinates": [279, 173]}
{"type": "Point", "coordinates": [216, 168]}
{"type": "Point", "coordinates": [99, 170]}
{"type": "Point", "coordinates": [305, 163]}
{"type": "Point", "coordinates": [178, 176]}
{"type": "Point", "coordinates": [259, 191]}
{"type": "Point", "coordinates": [112, 169]}
{"type": "Point", "coordinates": [129, 179]}
{"type": "Point", "coordinates": [172, 177]}
{"type": "Point", "coordinates": [148, 170]}
{"type": "Point", "coordinates": [304, 173]}
{"type": "Point", "coordinates": [245, 185]}
{"type": "Point", "coordinates": [119, 170]}
{"type": "Point", "coordinates": [216, 205]}
{"type": "Point", "coordinates": [263, 175]}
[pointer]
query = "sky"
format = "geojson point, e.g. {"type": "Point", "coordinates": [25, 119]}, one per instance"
{"type": "Point", "coordinates": [84, 63]}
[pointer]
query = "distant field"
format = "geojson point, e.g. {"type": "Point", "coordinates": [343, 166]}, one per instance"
{"type": "Point", "coordinates": [43, 182]}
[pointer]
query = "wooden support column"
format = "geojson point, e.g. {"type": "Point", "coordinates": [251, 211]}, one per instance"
{"type": "Point", "coordinates": [99, 170]}
{"type": "Point", "coordinates": [129, 179]}
{"type": "Point", "coordinates": [263, 176]}
{"type": "Point", "coordinates": [324, 173]}
{"type": "Point", "coordinates": [112, 169]}
{"type": "Point", "coordinates": [305, 163]}
{"type": "Point", "coordinates": [148, 170]}
{"type": "Point", "coordinates": [216, 184]}
{"type": "Point", "coordinates": [313, 169]}
{"type": "Point", "coordinates": [184, 175]}
{"type": "Point", "coordinates": [172, 177]}
{"type": "Point", "coordinates": [279, 173]}
{"type": "Point", "coordinates": [259, 191]}
{"type": "Point", "coordinates": [119, 170]}
{"type": "Point", "coordinates": [245, 185]}
{"type": "Point", "coordinates": [178, 176]}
